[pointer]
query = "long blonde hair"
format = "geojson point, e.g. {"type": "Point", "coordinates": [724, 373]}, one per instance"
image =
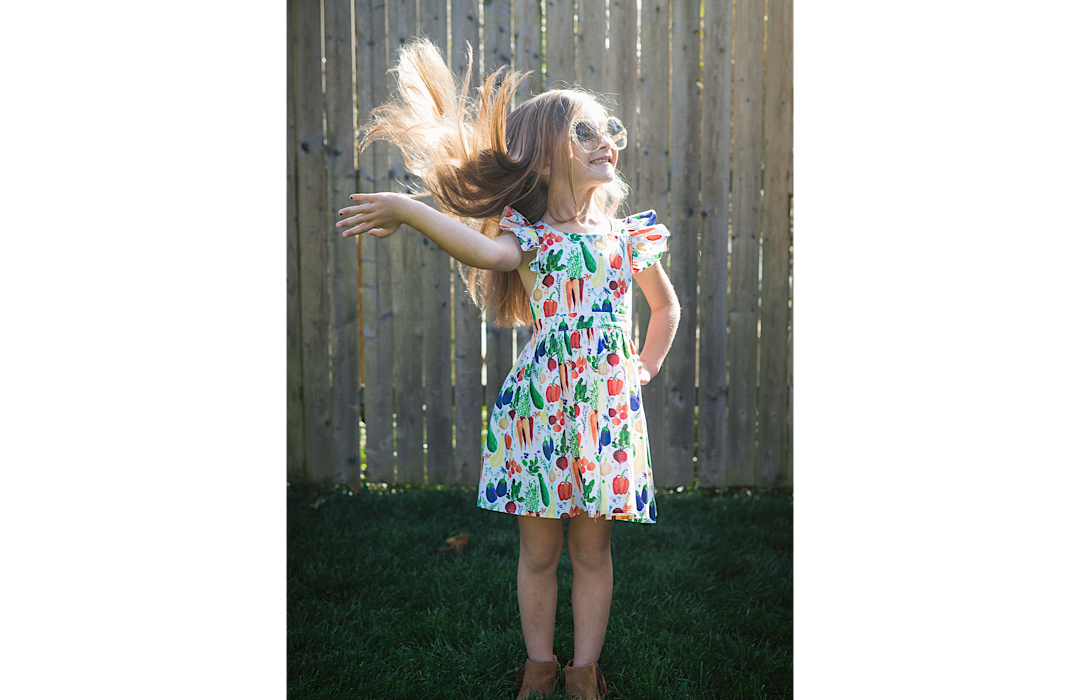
{"type": "Point", "coordinates": [476, 157]}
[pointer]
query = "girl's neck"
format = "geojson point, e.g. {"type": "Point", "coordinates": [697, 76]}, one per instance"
{"type": "Point", "coordinates": [588, 216]}
{"type": "Point", "coordinates": [587, 223]}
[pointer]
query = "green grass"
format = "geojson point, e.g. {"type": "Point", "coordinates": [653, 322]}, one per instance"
{"type": "Point", "coordinates": [702, 605]}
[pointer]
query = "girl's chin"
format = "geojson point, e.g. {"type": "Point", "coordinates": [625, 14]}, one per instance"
{"type": "Point", "coordinates": [604, 172]}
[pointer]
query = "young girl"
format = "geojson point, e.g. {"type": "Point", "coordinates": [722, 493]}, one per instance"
{"type": "Point", "coordinates": [529, 198]}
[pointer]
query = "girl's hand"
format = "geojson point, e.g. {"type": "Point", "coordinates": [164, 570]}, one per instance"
{"type": "Point", "coordinates": [645, 374]}
{"type": "Point", "coordinates": [379, 214]}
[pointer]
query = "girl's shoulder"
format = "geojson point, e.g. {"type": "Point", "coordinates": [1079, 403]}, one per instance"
{"type": "Point", "coordinates": [528, 234]}
{"type": "Point", "coordinates": [641, 220]}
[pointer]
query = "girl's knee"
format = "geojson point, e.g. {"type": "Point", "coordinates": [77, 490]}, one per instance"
{"type": "Point", "coordinates": [541, 544]}
{"type": "Point", "coordinates": [590, 548]}
{"type": "Point", "coordinates": [538, 557]}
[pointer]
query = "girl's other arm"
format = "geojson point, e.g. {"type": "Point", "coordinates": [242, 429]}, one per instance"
{"type": "Point", "coordinates": [658, 291]}
{"type": "Point", "coordinates": [381, 214]}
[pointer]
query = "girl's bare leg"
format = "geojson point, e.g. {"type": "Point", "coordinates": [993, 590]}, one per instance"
{"type": "Point", "coordinates": [538, 560]}
{"type": "Point", "coordinates": [590, 554]}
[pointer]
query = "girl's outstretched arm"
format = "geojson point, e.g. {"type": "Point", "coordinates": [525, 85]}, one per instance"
{"type": "Point", "coordinates": [666, 311]}
{"type": "Point", "coordinates": [381, 214]}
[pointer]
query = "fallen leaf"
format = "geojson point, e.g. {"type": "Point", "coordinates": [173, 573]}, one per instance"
{"type": "Point", "coordinates": [457, 543]}
{"type": "Point", "coordinates": [317, 503]}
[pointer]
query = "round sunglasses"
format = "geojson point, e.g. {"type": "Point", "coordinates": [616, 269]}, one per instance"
{"type": "Point", "coordinates": [587, 134]}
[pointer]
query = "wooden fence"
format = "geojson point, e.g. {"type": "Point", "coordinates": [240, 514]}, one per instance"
{"type": "Point", "coordinates": [381, 330]}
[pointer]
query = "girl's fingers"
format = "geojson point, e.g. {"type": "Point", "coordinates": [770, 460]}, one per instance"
{"type": "Point", "coordinates": [364, 227]}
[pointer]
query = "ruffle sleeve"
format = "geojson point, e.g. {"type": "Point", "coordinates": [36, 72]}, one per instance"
{"type": "Point", "coordinates": [648, 240]}
{"type": "Point", "coordinates": [528, 236]}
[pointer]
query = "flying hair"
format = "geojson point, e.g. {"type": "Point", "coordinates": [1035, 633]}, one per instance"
{"type": "Point", "coordinates": [476, 157]}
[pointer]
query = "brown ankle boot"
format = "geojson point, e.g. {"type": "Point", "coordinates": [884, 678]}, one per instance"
{"type": "Point", "coordinates": [585, 682]}
{"type": "Point", "coordinates": [537, 676]}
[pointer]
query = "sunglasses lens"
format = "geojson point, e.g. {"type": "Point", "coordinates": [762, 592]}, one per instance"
{"type": "Point", "coordinates": [587, 136]}
{"type": "Point", "coordinates": [617, 132]}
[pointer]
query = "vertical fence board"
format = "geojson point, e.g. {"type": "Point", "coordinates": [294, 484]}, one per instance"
{"type": "Point", "coordinates": [500, 341]}
{"type": "Point", "coordinates": [791, 354]}
{"type": "Point", "coordinates": [559, 43]}
{"type": "Point", "coordinates": [776, 242]}
{"type": "Point", "coordinates": [468, 388]}
{"type": "Point", "coordinates": [436, 281]}
{"type": "Point", "coordinates": [745, 241]}
{"type": "Point", "coordinates": [465, 35]}
{"type": "Point", "coordinates": [591, 53]}
{"type": "Point", "coordinates": [294, 461]}
{"type": "Point", "coordinates": [405, 250]}
{"type": "Point", "coordinates": [468, 360]}
{"type": "Point", "coordinates": [684, 221]}
{"type": "Point", "coordinates": [371, 61]}
{"type": "Point", "coordinates": [713, 277]}
{"type": "Point", "coordinates": [311, 222]}
{"type": "Point", "coordinates": [528, 48]}
{"type": "Point", "coordinates": [341, 182]}
{"type": "Point", "coordinates": [434, 284]}
{"type": "Point", "coordinates": [496, 29]}
{"type": "Point", "coordinates": [653, 169]}
{"type": "Point", "coordinates": [622, 81]}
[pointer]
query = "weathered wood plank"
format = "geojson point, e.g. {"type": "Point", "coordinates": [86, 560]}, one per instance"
{"type": "Point", "coordinates": [406, 253]}
{"type": "Point", "coordinates": [468, 388]}
{"type": "Point", "coordinates": [622, 84]}
{"type": "Point", "coordinates": [433, 22]}
{"type": "Point", "coordinates": [496, 30]}
{"type": "Point", "coordinates": [528, 48]}
{"type": "Point", "coordinates": [344, 293]}
{"type": "Point", "coordinates": [713, 276]}
{"type": "Point", "coordinates": [438, 393]}
{"type": "Point", "coordinates": [653, 191]}
{"type": "Point", "coordinates": [559, 44]}
{"type": "Point", "coordinates": [371, 61]}
{"type": "Point", "coordinates": [591, 63]}
{"type": "Point", "coordinates": [465, 34]}
{"type": "Point", "coordinates": [433, 285]}
{"type": "Point", "coordinates": [295, 459]}
{"type": "Point", "coordinates": [745, 241]}
{"type": "Point", "coordinates": [313, 239]}
{"type": "Point", "coordinates": [789, 470]}
{"type": "Point", "coordinates": [685, 222]}
{"type": "Point", "coordinates": [775, 440]}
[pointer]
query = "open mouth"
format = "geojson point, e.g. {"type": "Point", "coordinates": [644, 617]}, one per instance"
{"type": "Point", "coordinates": [605, 159]}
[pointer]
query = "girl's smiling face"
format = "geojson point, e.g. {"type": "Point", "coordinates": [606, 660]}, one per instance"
{"type": "Point", "coordinates": [593, 168]}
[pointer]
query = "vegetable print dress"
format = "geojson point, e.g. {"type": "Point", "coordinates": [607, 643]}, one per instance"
{"type": "Point", "coordinates": [567, 434]}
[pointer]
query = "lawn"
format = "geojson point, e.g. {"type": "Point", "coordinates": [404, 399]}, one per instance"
{"type": "Point", "coordinates": [702, 605]}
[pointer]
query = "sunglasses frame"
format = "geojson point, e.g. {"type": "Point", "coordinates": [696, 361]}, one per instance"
{"type": "Point", "coordinates": [599, 132]}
